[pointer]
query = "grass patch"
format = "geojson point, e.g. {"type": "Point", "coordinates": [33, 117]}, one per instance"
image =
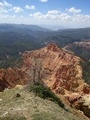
{"type": "Point", "coordinates": [46, 93]}
{"type": "Point", "coordinates": [39, 117]}
{"type": "Point", "coordinates": [13, 118]}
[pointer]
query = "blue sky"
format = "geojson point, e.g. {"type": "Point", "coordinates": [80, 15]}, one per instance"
{"type": "Point", "coordinates": [48, 13]}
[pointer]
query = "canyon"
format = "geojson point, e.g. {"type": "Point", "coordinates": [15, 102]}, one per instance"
{"type": "Point", "coordinates": [59, 69]}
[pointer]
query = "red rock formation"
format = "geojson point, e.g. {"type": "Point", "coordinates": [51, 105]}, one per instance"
{"type": "Point", "coordinates": [86, 89]}
{"type": "Point", "coordinates": [83, 104]}
{"type": "Point", "coordinates": [83, 44]}
{"type": "Point", "coordinates": [53, 47]}
{"type": "Point", "coordinates": [73, 97]}
{"type": "Point", "coordinates": [11, 77]}
{"type": "Point", "coordinates": [80, 48]}
{"type": "Point", "coordinates": [61, 70]}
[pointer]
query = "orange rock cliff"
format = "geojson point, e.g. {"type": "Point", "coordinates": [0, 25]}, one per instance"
{"type": "Point", "coordinates": [59, 70]}
{"type": "Point", "coordinates": [62, 71]}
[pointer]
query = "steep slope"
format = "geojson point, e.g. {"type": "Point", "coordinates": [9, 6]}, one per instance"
{"type": "Point", "coordinates": [59, 70]}
{"type": "Point", "coordinates": [62, 71]}
{"type": "Point", "coordinates": [9, 78]}
{"type": "Point", "coordinates": [27, 106]}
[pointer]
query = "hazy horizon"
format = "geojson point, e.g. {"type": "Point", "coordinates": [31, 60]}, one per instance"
{"type": "Point", "coordinates": [52, 27]}
{"type": "Point", "coordinates": [66, 13]}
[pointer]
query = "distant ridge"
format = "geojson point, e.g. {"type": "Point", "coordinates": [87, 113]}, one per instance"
{"type": "Point", "coordinates": [13, 27]}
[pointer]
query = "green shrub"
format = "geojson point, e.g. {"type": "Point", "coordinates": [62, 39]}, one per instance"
{"type": "Point", "coordinates": [46, 93]}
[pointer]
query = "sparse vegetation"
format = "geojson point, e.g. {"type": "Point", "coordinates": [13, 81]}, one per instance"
{"type": "Point", "coordinates": [86, 71]}
{"type": "Point", "coordinates": [12, 61]}
{"type": "Point", "coordinates": [46, 93]}
{"type": "Point", "coordinates": [30, 107]}
{"type": "Point", "coordinates": [13, 118]}
{"type": "Point", "coordinates": [37, 85]}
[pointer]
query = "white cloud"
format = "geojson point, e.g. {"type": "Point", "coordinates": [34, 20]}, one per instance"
{"type": "Point", "coordinates": [73, 10]}
{"type": "Point", "coordinates": [3, 11]}
{"type": "Point", "coordinates": [2, 8]}
{"type": "Point", "coordinates": [18, 9]}
{"type": "Point", "coordinates": [58, 17]}
{"type": "Point", "coordinates": [1, 5]}
{"type": "Point", "coordinates": [44, 0]}
{"type": "Point", "coordinates": [52, 15]}
{"type": "Point", "coordinates": [32, 7]}
{"type": "Point", "coordinates": [7, 16]}
{"type": "Point", "coordinates": [54, 12]}
{"type": "Point", "coordinates": [36, 15]}
{"type": "Point", "coordinates": [6, 4]}
{"type": "Point", "coordinates": [71, 17]}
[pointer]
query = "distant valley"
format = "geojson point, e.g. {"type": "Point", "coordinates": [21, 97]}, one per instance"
{"type": "Point", "coordinates": [15, 39]}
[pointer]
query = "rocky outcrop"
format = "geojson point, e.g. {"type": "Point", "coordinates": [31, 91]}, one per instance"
{"type": "Point", "coordinates": [85, 105]}
{"type": "Point", "coordinates": [80, 102]}
{"type": "Point", "coordinates": [86, 89]}
{"type": "Point", "coordinates": [83, 44]}
{"type": "Point", "coordinates": [80, 48]}
{"type": "Point", "coordinates": [9, 78]}
{"type": "Point", "coordinates": [62, 71]}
